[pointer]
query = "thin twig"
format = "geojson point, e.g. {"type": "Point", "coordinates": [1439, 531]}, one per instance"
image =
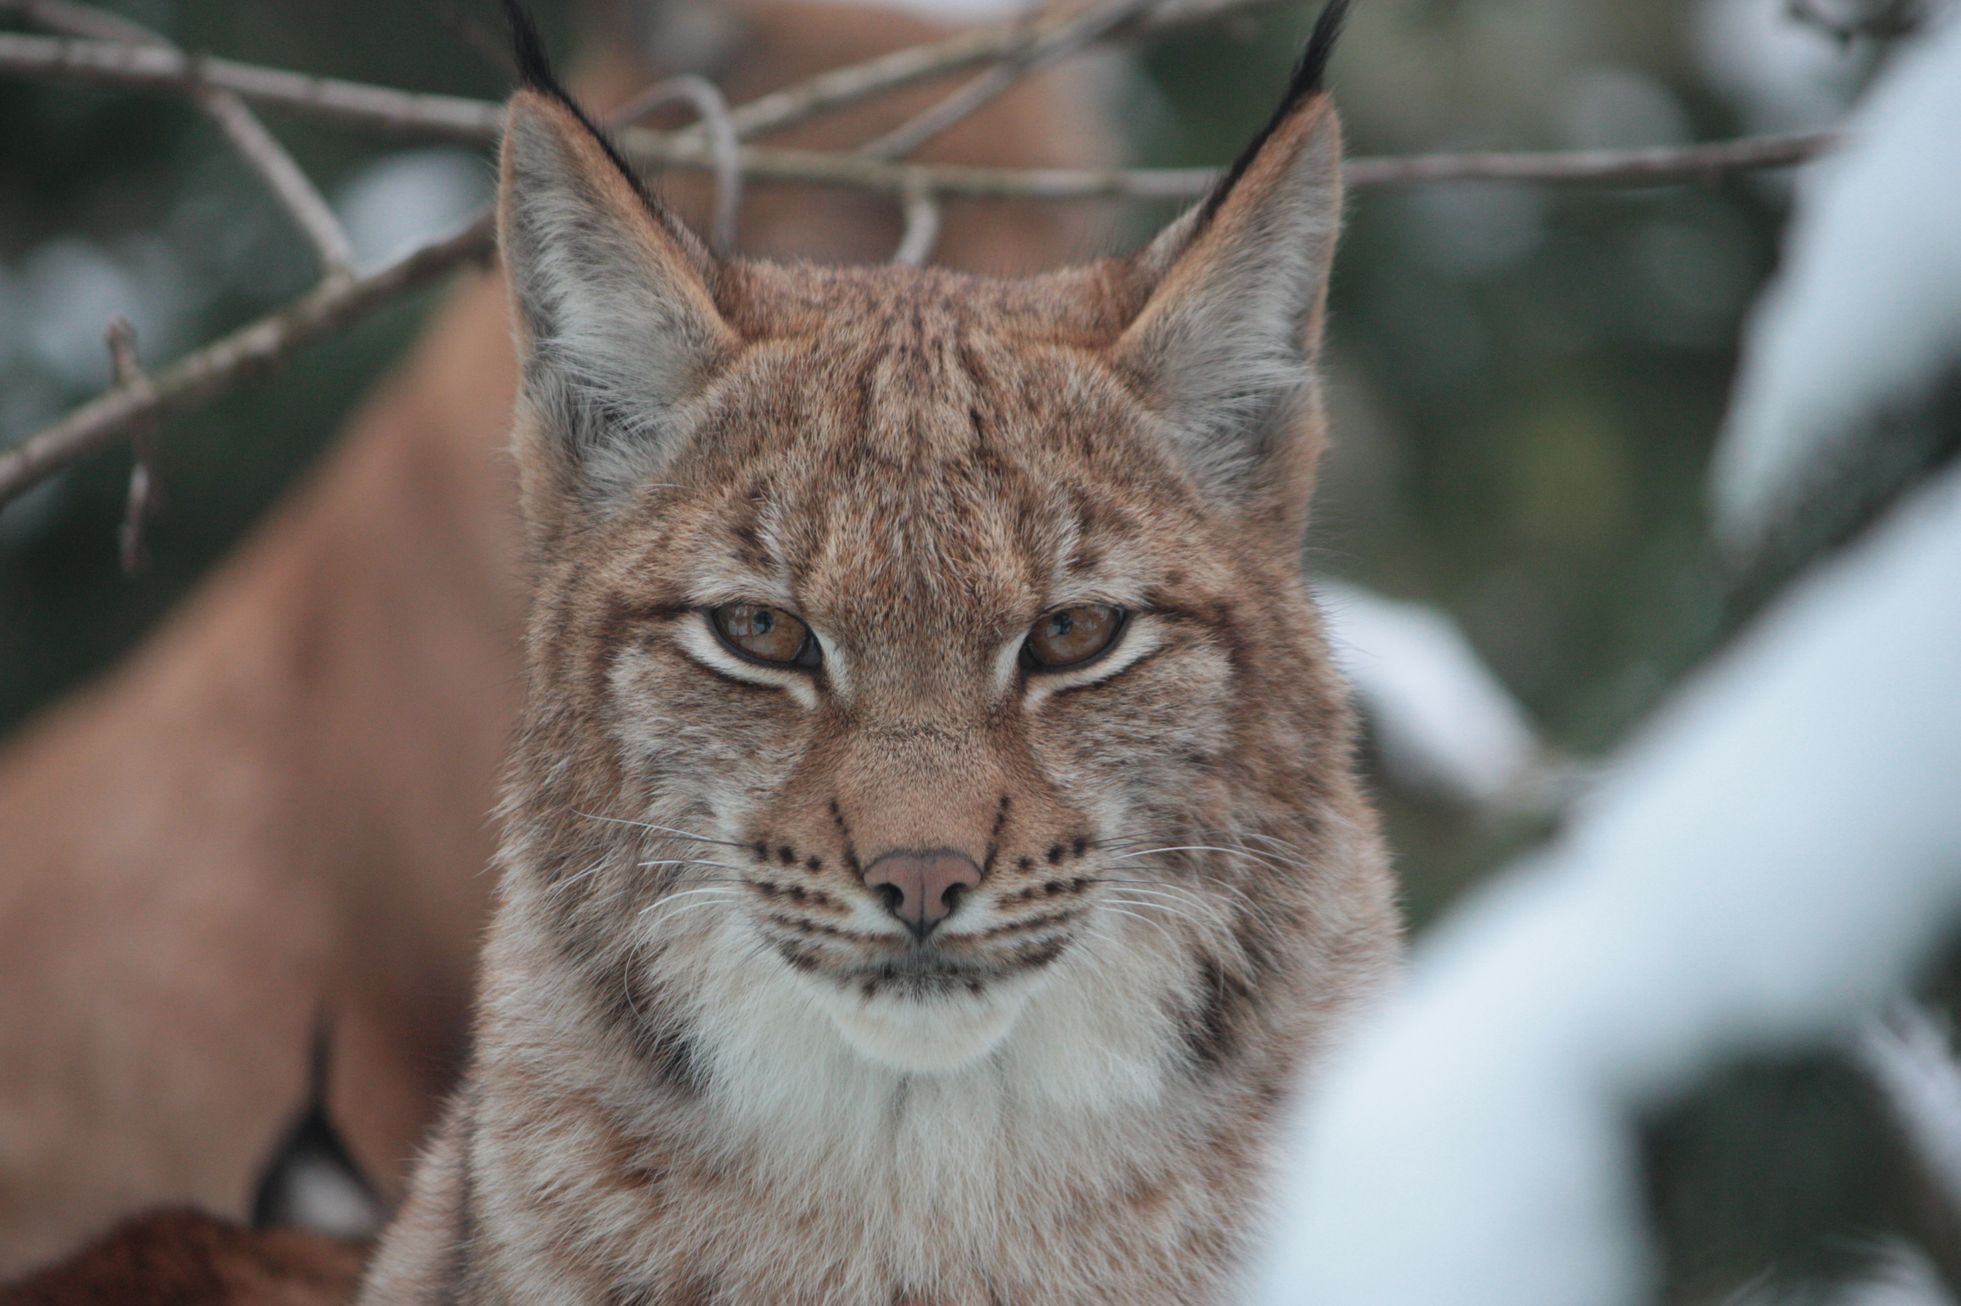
{"type": "Point", "coordinates": [261, 152]}
{"type": "Point", "coordinates": [922, 213]}
{"type": "Point", "coordinates": [144, 486]}
{"type": "Point", "coordinates": [252, 349]}
{"type": "Point", "coordinates": [118, 60]}
{"type": "Point", "coordinates": [453, 117]}
{"type": "Point", "coordinates": [72, 19]}
{"type": "Point", "coordinates": [114, 63]}
{"type": "Point", "coordinates": [1654, 165]}
{"type": "Point", "coordinates": [973, 48]}
{"type": "Point", "coordinates": [712, 108]}
{"type": "Point", "coordinates": [309, 211]}
{"type": "Point", "coordinates": [1056, 42]}
{"type": "Point", "coordinates": [215, 368]}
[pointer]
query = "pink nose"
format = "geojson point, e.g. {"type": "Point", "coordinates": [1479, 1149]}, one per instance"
{"type": "Point", "coordinates": [922, 888]}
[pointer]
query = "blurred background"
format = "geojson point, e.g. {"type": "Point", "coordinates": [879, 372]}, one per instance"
{"type": "Point", "coordinates": [1527, 382]}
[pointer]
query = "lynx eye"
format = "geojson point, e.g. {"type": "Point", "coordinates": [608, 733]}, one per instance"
{"type": "Point", "coordinates": [1069, 637]}
{"type": "Point", "coordinates": [765, 634]}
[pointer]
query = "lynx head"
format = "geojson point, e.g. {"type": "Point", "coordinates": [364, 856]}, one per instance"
{"type": "Point", "coordinates": [918, 657]}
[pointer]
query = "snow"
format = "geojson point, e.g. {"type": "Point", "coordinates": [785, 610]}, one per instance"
{"type": "Point", "coordinates": [1783, 75]}
{"type": "Point", "coordinates": [1443, 723]}
{"type": "Point", "coordinates": [1765, 864]}
{"type": "Point", "coordinates": [1867, 309]}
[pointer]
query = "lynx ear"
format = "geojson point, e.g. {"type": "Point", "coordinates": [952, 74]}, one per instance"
{"type": "Point", "coordinates": [612, 301]}
{"type": "Point", "coordinates": [1227, 339]}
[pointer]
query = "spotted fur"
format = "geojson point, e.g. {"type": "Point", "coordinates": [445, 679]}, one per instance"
{"type": "Point", "coordinates": [710, 1066]}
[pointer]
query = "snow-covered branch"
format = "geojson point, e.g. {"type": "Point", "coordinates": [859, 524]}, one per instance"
{"type": "Point", "coordinates": [1763, 868]}
{"type": "Point", "coordinates": [1767, 864]}
{"type": "Point", "coordinates": [1441, 720]}
{"type": "Point", "coordinates": [1863, 326]}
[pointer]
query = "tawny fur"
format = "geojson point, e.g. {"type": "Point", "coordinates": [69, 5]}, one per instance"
{"type": "Point", "coordinates": [187, 1258]}
{"type": "Point", "coordinates": [278, 806]}
{"type": "Point", "coordinates": [709, 1067]}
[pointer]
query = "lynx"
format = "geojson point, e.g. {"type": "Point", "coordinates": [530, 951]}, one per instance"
{"type": "Point", "coordinates": [276, 808]}
{"type": "Point", "coordinates": [931, 848]}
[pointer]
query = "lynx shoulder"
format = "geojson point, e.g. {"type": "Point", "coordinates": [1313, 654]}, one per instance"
{"type": "Point", "coordinates": [931, 850]}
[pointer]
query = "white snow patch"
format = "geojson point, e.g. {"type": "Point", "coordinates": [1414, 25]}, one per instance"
{"type": "Point", "coordinates": [1442, 720]}
{"type": "Point", "coordinates": [1766, 863]}
{"type": "Point", "coordinates": [1868, 307]}
{"type": "Point", "coordinates": [1783, 75]}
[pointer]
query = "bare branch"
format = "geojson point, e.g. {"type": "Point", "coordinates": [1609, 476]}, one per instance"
{"type": "Point", "coordinates": [159, 68]}
{"type": "Point", "coordinates": [257, 146]}
{"type": "Point", "coordinates": [456, 118]}
{"type": "Point", "coordinates": [922, 231]}
{"type": "Point", "coordinates": [72, 19]}
{"type": "Point", "coordinates": [291, 187]}
{"type": "Point", "coordinates": [972, 48]}
{"type": "Point", "coordinates": [117, 58]}
{"type": "Point", "coordinates": [255, 348]}
{"type": "Point", "coordinates": [144, 486]}
{"type": "Point", "coordinates": [1056, 42]}
{"type": "Point", "coordinates": [1657, 165]}
{"type": "Point", "coordinates": [706, 99]}
{"type": "Point", "coordinates": [214, 369]}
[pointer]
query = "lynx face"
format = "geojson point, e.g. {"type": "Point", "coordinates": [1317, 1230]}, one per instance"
{"type": "Point", "coordinates": [921, 657]}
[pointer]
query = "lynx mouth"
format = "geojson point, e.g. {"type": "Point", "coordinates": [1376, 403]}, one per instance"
{"type": "Point", "coordinates": [923, 1011]}
{"type": "Point", "coordinates": [925, 971]}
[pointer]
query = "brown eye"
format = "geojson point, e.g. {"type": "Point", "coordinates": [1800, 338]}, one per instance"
{"type": "Point", "coordinates": [764, 634]}
{"type": "Point", "coordinates": [1068, 637]}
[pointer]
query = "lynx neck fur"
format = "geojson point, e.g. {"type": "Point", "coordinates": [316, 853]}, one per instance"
{"type": "Point", "coordinates": [932, 850]}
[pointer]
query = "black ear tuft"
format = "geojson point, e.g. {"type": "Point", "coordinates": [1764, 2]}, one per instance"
{"type": "Point", "coordinates": [534, 66]}
{"type": "Point", "coordinates": [1308, 80]}
{"type": "Point", "coordinates": [535, 72]}
{"type": "Point", "coordinates": [1311, 72]}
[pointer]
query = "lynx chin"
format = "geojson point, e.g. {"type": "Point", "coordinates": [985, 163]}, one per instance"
{"type": "Point", "coordinates": [932, 852]}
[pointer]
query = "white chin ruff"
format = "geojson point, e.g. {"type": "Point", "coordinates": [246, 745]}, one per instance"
{"type": "Point", "coordinates": [925, 1035]}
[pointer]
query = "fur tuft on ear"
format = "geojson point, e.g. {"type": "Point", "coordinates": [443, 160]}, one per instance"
{"type": "Point", "coordinates": [1228, 334]}
{"type": "Point", "coordinates": [1308, 81]}
{"type": "Point", "coordinates": [535, 73]}
{"type": "Point", "coordinates": [534, 65]}
{"type": "Point", "coordinates": [612, 300]}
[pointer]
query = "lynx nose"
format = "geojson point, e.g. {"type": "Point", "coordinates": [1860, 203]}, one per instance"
{"type": "Point", "coordinates": [922, 888]}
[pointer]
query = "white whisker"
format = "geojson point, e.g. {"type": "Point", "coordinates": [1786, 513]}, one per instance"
{"type": "Point", "coordinates": [650, 825]}
{"type": "Point", "coordinates": [1197, 894]}
{"type": "Point", "coordinates": [668, 900]}
{"type": "Point", "coordinates": [571, 880]}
